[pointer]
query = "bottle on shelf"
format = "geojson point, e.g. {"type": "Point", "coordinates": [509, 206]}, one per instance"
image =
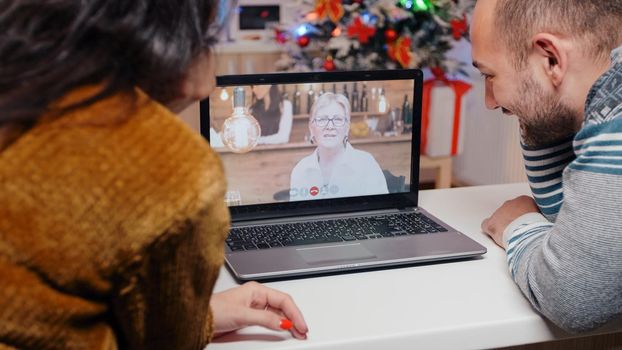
{"type": "Point", "coordinates": [322, 91]}
{"type": "Point", "coordinates": [310, 99]}
{"type": "Point", "coordinates": [296, 101]}
{"type": "Point", "coordinates": [355, 99]}
{"type": "Point", "coordinates": [364, 105]}
{"type": "Point", "coordinates": [406, 112]}
{"type": "Point", "coordinates": [373, 103]}
{"type": "Point", "coordinates": [334, 88]}
{"type": "Point", "coordinates": [345, 91]}
{"type": "Point", "coordinates": [383, 106]}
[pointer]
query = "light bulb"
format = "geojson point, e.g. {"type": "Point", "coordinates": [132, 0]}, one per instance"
{"type": "Point", "coordinates": [224, 95]}
{"type": "Point", "coordinates": [241, 131]}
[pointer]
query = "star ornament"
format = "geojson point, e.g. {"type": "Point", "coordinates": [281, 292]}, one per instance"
{"type": "Point", "coordinates": [331, 8]}
{"type": "Point", "coordinates": [360, 30]}
{"type": "Point", "coordinates": [400, 52]}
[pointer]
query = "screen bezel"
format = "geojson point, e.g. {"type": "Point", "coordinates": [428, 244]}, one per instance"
{"type": "Point", "coordinates": [335, 205]}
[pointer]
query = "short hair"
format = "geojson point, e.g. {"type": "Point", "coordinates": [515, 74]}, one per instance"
{"type": "Point", "coordinates": [48, 48]}
{"type": "Point", "coordinates": [328, 98]}
{"type": "Point", "coordinates": [595, 23]}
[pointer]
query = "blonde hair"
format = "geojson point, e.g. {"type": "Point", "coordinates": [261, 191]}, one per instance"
{"type": "Point", "coordinates": [328, 98]}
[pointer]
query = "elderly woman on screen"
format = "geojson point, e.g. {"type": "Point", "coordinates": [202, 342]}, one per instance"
{"type": "Point", "coordinates": [335, 168]}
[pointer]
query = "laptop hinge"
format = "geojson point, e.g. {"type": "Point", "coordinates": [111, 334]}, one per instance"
{"type": "Point", "coordinates": [409, 209]}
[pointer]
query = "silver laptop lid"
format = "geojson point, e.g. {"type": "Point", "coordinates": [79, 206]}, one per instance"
{"type": "Point", "coordinates": [297, 144]}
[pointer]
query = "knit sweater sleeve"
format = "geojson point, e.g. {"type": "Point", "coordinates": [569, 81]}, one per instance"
{"type": "Point", "coordinates": [544, 168]}
{"type": "Point", "coordinates": [570, 269]}
{"type": "Point", "coordinates": [163, 297]}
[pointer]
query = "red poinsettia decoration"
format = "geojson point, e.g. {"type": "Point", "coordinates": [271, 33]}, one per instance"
{"type": "Point", "coordinates": [360, 30]}
{"type": "Point", "coordinates": [400, 51]}
{"type": "Point", "coordinates": [459, 27]}
{"type": "Point", "coordinates": [331, 8]}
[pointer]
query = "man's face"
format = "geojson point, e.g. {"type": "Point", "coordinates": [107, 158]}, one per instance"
{"type": "Point", "coordinates": [544, 119]}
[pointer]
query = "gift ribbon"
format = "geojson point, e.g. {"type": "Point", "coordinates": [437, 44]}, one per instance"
{"type": "Point", "coordinates": [460, 89]}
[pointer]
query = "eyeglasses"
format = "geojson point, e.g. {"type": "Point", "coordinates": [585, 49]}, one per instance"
{"type": "Point", "coordinates": [322, 122]}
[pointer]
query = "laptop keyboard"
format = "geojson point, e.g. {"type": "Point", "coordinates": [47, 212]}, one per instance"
{"type": "Point", "coordinates": [330, 231]}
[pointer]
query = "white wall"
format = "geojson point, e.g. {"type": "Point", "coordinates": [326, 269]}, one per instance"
{"type": "Point", "coordinates": [491, 144]}
{"type": "Point", "coordinates": [491, 153]}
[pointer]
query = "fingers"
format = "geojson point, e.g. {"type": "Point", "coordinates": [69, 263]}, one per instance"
{"type": "Point", "coordinates": [272, 320]}
{"type": "Point", "coordinates": [486, 226]}
{"type": "Point", "coordinates": [280, 304]}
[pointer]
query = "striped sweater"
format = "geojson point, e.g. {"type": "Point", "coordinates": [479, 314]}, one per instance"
{"type": "Point", "coordinates": [568, 259]}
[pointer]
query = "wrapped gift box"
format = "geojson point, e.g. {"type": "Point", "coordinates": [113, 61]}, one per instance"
{"type": "Point", "coordinates": [443, 119]}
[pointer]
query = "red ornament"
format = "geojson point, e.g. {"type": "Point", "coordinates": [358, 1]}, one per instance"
{"type": "Point", "coordinates": [459, 27]}
{"type": "Point", "coordinates": [390, 35]}
{"type": "Point", "coordinates": [329, 64]}
{"type": "Point", "coordinates": [358, 28]}
{"type": "Point", "coordinates": [303, 41]}
{"type": "Point", "coordinates": [280, 36]}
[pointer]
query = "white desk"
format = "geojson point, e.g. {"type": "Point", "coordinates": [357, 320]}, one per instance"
{"type": "Point", "coordinates": [471, 304]}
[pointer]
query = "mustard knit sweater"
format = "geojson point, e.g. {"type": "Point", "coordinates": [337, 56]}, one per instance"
{"type": "Point", "coordinates": [112, 224]}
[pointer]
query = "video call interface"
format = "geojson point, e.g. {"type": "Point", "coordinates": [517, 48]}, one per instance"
{"type": "Point", "coordinates": [303, 142]}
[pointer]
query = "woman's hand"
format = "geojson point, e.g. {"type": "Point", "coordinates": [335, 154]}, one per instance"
{"type": "Point", "coordinates": [255, 304]}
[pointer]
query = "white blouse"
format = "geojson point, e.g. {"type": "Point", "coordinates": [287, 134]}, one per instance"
{"type": "Point", "coordinates": [356, 174]}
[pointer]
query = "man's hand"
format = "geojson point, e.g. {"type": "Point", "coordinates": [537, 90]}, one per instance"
{"type": "Point", "coordinates": [254, 304]}
{"type": "Point", "coordinates": [509, 211]}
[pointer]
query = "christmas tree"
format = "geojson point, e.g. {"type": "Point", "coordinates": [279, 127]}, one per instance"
{"type": "Point", "coordinates": [375, 34]}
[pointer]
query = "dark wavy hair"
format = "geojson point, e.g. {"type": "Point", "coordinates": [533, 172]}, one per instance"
{"type": "Point", "coordinates": [49, 47]}
{"type": "Point", "coordinates": [268, 116]}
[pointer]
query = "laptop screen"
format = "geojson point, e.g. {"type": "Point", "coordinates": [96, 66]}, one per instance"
{"type": "Point", "coordinates": [296, 140]}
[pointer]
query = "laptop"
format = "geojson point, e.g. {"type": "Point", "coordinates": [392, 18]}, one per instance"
{"type": "Point", "coordinates": [323, 176]}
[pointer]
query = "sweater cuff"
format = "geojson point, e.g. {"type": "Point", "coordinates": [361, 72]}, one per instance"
{"type": "Point", "coordinates": [526, 219]}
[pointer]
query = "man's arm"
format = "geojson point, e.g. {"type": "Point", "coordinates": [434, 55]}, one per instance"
{"type": "Point", "coordinates": [571, 270]}
{"type": "Point", "coordinates": [544, 167]}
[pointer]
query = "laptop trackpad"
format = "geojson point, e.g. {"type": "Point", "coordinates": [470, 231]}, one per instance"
{"type": "Point", "coordinates": [334, 254]}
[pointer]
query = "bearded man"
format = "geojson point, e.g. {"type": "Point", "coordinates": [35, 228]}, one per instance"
{"type": "Point", "coordinates": [557, 66]}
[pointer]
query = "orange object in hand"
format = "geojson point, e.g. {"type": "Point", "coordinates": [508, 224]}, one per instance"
{"type": "Point", "coordinates": [286, 324]}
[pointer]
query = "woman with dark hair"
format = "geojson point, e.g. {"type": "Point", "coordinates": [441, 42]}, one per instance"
{"type": "Point", "coordinates": [112, 214]}
{"type": "Point", "coordinates": [275, 115]}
